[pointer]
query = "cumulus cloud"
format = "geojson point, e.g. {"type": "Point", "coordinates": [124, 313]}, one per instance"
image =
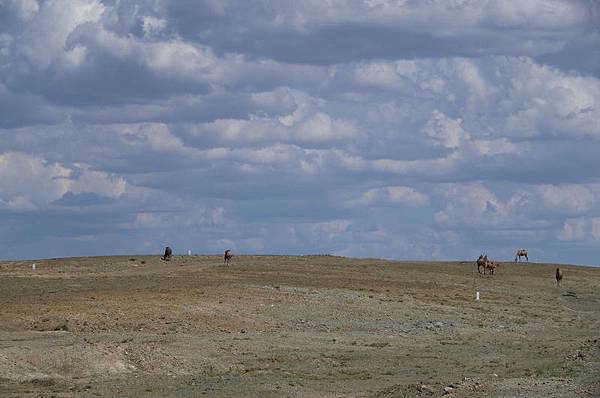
{"type": "Point", "coordinates": [361, 29]}
{"type": "Point", "coordinates": [581, 229]}
{"type": "Point", "coordinates": [445, 131]}
{"type": "Point", "coordinates": [45, 41]}
{"type": "Point", "coordinates": [30, 183]}
{"type": "Point", "coordinates": [301, 127]}
{"type": "Point", "coordinates": [199, 217]}
{"type": "Point", "coordinates": [475, 204]}
{"type": "Point", "coordinates": [395, 195]}
{"type": "Point", "coordinates": [25, 9]}
{"type": "Point", "coordinates": [444, 18]}
{"type": "Point", "coordinates": [567, 198]}
{"type": "Point", "coordinates": [153, 26]}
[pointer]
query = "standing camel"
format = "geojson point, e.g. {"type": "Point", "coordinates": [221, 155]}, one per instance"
{"type": "Point", "coordinates": [487, 264]}
{"type": "Point", "coordinates": [168, 254]}
{"type": "Point", "coordinates": [491, 265]}
{"type": "Point", "coordinates": [559, 276]}
{"type": "Point", "coordinates": [521, 253]}
{"type": "Point", "coordinates": [481, 261]}
{"type": "Point", "coordinates": [227, 257]}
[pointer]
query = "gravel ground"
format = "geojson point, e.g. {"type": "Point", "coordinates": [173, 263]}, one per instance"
{"type": "Point", "coordinates": [278, 326]}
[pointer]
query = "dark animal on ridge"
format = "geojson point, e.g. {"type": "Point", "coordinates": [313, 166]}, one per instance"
{"type": "Point", "coordinates": [227, 257]}
{"type": "Point", "coordinates": [559, 276]}
{"type": "Point", "coordinates": [168, 254]}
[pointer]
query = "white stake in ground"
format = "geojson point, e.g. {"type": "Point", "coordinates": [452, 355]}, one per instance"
{"type": "Point", "coordinates": [477, 296]}
{"type": "Point", "coordinates": [33, 266]}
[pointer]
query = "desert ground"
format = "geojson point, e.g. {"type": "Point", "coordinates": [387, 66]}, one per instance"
{"type": "Point", "coordinates": [282, 326]}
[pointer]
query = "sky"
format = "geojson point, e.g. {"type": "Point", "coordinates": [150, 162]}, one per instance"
{"type": "Point", "coordinates": [398, 129]}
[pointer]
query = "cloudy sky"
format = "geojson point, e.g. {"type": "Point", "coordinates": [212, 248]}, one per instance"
{"type": "Point", "coordinates": [403, 129]}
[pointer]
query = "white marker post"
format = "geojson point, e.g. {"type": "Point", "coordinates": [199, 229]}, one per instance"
{"type": "Point", "coordinates": [477, 296]}
{"type": "Point", "coordinates": [189, 252]}
{"type": "Point", "coordinates": [33, 266]}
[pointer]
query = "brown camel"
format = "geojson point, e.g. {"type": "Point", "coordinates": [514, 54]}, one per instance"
{"type": "Point", "coordinates": [559, 276]}
{"type": "Point", "coordinates": [521, 253]}
{"type": "Point", "coordinates": [481, 261]}
{"type": "Point", "coordinates": [491, 266]}
{"type": "Point", "coordinates": [484, 262]}
{"type": "Point", "coordinates": [227, 257]}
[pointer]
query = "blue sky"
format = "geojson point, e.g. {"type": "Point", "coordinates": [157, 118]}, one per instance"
{"type": "Point", "coordinates": [398, 129]}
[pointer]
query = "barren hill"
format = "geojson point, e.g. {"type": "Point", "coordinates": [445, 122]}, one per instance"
{"type": "Point", "coordinates": [317, 326]}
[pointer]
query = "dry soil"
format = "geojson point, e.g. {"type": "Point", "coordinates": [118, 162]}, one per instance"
{"type": "Point", "coordinates": [278, 326]}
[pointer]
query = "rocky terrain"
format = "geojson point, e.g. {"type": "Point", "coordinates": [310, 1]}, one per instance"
{"type": "Point", "coordinates": [277, 326]}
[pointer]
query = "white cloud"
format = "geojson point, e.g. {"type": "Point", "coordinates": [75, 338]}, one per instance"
{"type": "Point", "coordinates": [321, 127]}
{"type": "Point", "coordinates": [46, 39]}
{"type": "Point", "coordinates": [25, 9]}
{"type": "Point", "coordinates": [548, 102]}
{"type": "Point", "coordinates": [323, 233]}
{"type": "Point", "coordinates": [280, 98]}
{"type": "Point", "coordinates": [442, 17]}
{"type": "Point", "coordinates": [99, 183]}
{"type": "Point", "coordinates": [569, 198]}
{"type": "Point", "coordinates": [174, 58]}
{"type": "Point", "coordinates": [28, 182]}
{"type": "Point", "coordinates": [394, 195]}
{"type": "Point", "coordinates": [581, 229]}
{"type": "Point", "coordinates": [152, 25]}
{"type": "Point", "coordinates": [445, 131]}
{"type": "Point", "coordinates": [535, 207]}
{"type": "Point", "coordinates": [475, 205]}
{"type": "Point", "coordinates": [508, 96]}
{"type": "Point", "coordinates": [498, 146]}
{"type": "Point", "coordinates": [386, 75]}
{"type": "Point", "coordinates": [244, 101]}
{"type": "Point", "coordinates": [153, 136]}
{"type": "Point", "coordinates": [574, 229]}
{"type": "Point", "coordinates": [472, 205]}
{"type": "Point", "coordinates": [190, 220]}
{"type": "Point", "coordinates": [305, 124]}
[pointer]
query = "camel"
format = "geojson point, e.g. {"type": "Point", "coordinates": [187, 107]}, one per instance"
{"type": "Point", "coordinates": [559, 276]}
{"type": "Point", "coordinates": [227, 257]}
{"type": "Point", "coordinates": [168, 254]}
{"type": "Point", "coordinates": [481, 261]}
{"type": "Point", "coordinates": [491, 265]}
{"type": "Point", "coordinates": [487, 264]}
{"type": "Point", "coordinates": [521, 253]}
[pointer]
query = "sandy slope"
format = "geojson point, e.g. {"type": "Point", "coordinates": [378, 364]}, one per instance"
{"type": "Point", "coordinates": [315, 326]}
